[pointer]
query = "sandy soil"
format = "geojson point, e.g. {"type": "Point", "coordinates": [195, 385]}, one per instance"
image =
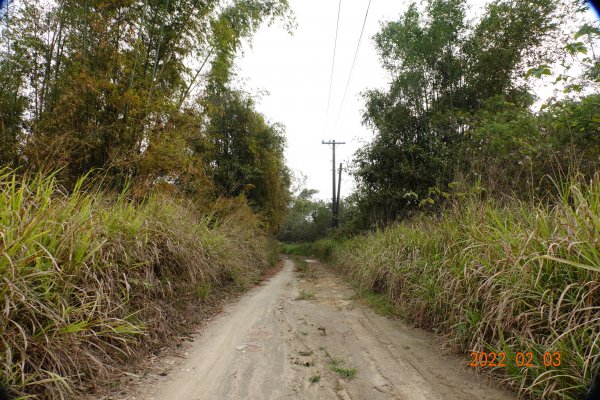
{"type": "Point", "coordinates": [271, 342]}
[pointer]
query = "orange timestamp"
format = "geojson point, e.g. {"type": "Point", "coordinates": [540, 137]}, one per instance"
{"type": "Point", "coordinates": [521, 359]}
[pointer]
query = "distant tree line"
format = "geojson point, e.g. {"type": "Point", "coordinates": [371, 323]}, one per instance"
{"type": "Point", "coordinates": [309, 219]}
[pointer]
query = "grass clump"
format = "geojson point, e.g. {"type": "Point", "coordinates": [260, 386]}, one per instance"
{"type": "Point", "coordinates": [203, 291]}
{"type": "Point", "coordinates": [504, 277]}
{"type": "Point", "coordinates": [304, 295]}
{"type": "Point", "coordinates": [307, 270]}
{"type": "Point", "coordinates": [89, 280]}
{"type": "Point", "coordinates": [316, 378]}
{"type": "Point", "coordinates": [337, 366]}
{"type": "Point", "coordinates": [346, 373]}
{"type": "Point", "coordinates": [301, 265]}
{"type": "Point", "coordinates": [378, 301]}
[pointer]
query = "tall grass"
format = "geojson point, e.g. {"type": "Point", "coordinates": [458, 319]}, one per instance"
{"type": "Point", "coordinates": [504, 278]}
{"type": "Point", "coordinates": [87, 281]}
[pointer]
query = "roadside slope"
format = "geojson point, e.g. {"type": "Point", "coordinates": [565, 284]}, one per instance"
{"type": "Point", "coordinates": [90, 282]}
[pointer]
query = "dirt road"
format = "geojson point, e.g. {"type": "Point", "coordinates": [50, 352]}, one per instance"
{"type": "Point", "coordinates": [299, 337]}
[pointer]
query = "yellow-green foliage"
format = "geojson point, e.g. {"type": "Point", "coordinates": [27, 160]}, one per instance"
{"type": "Point", "coordinates": [87, 280]}
{"type": "Point", "coordinates": [497, 278]}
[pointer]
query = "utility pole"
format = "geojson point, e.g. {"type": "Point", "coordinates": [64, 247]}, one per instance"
{"type": "Point", "coordinates": [334, 218]}
{"type": "Point", "coordinates": [337, 200]}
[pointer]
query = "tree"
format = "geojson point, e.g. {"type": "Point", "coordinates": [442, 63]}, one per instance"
{"type": "Point", "coordinates": [457, 98]}
{"type": "Point", "coordinates": [308, 220]}
{"type": "Point", "coordinates": [244, 154]}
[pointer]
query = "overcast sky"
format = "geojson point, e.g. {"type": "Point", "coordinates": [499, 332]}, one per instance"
{"type": "Point", "coordinates": [295, 71]}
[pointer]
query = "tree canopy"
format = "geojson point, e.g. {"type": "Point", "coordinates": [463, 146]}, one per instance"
{"type": "Point", "coordinates": [459, 104]}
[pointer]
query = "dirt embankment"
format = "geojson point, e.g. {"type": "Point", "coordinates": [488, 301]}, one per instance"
{"type": "Point", "coordinates": [298, 337]}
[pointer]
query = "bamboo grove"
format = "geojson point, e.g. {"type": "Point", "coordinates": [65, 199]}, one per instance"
{"type": "Point", "coordinates": [141, 91]}
{"type": "Point", "coordinates": [465, 105]}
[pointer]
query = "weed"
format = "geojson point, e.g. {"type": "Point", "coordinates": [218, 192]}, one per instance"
{"type": "Point", "coordinates": [337, 366]}
{"type": "Point", "coordinates": [304, 268]}
{"type": "Point", "coordinates": [301, 265]}
{"type": "Point", "coordinates": [304, 295]}
{"type": "Point", "coordinates": [346, 373]}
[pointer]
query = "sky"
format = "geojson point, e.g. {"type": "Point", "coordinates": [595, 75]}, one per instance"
{"type": "Point", "coordinates": [295, 71]}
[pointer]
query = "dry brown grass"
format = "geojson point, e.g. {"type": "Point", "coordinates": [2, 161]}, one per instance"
{"type": "Point", "coordinates": [87, 281]}
{"type": "Point", "coordinates": [518, 278]}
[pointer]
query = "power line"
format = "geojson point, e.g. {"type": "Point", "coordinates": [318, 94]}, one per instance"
{"type": "Point", "coordinates": [362, 31]}
{"type": "Point", "coordinates": [337, 26]}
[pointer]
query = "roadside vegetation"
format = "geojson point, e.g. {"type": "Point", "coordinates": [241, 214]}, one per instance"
{"type": "Point", "coordinates": [138, 183]}
{"type": "Point", "coordinates": [497, 278]}
{"type": "Point", "coordinates": [90, 280]}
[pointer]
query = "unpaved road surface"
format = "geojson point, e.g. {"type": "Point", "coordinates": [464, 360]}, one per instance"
{"type": "Point", "coordinates": [270, 343]}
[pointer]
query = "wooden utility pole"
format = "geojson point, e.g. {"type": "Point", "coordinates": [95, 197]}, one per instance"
{"type": "Point", "coordinates": [334, 217]}
{"type": "Point", "coordinates": [337, 200]}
